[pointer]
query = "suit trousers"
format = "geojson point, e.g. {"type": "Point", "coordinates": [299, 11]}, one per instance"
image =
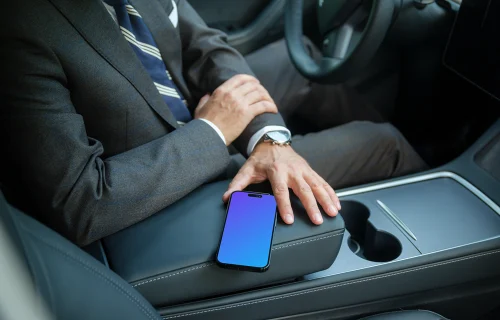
{"type": "Point", "coordinates": [342, 137]}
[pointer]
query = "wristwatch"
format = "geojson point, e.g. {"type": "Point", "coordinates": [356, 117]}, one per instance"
{"type": "Point", "coordinates": [278, 137]}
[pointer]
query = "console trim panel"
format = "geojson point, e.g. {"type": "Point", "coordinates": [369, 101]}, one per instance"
{"type": "Point", "coordinates": [425, 177]}
{"type": "Point", "coordinates": [396, 219]}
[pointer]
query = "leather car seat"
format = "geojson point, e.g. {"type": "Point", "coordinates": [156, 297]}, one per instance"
{"type": "Point", "coordinates": [76, 286]}
{"type": "Point", "coordinates": [73, 284]}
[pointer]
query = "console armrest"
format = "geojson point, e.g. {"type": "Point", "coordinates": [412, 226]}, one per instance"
{"type": "Point", "coordinates": [169, 257]}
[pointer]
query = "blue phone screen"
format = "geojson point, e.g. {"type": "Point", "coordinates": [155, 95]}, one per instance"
{"type": "Point", "coordinates": [248, 232]}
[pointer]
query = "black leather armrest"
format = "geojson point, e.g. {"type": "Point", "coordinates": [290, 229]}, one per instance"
{"type": "Point", "coordinates": [169, 257]}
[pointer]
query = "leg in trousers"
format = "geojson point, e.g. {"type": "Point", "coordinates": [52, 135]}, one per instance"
{"type": "Point", "coordinates": [352, 145]}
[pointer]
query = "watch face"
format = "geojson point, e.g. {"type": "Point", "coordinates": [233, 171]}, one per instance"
{"type": "Point", "coordinates": [279, 136]}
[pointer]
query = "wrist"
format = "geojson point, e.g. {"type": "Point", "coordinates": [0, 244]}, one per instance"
{"type": "Point", "coordinates": [259, 136]}
{"type": "Point", "coordinates": [269, 148]}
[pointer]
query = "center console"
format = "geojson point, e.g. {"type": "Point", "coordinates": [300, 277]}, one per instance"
{"type": "Point", "coordinates": [412, 235]}
{"type": "Point", "coordinates": [416, 234]}
{"type": "Point", "coordinates": [408, 218]}
{"type": "Point", "coordinates": [419, 216]}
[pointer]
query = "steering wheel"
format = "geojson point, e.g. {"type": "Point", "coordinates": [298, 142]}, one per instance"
{"type": "Point", "coordinates": [352, 32]}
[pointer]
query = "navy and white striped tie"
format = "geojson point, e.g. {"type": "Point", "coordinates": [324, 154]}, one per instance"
{"type": "Point", "coordinates": [140, 38]}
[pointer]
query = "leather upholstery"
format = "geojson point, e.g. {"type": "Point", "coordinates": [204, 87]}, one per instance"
{"type": "Point", "coordinates": [74, 285]}
{"type": "Point", "coordinates": [407, 315]}
{"type": "Point", "coordinates": [176, 248]}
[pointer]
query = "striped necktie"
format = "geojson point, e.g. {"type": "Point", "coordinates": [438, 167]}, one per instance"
{"type": "Point", "coordinates": [141, 40]}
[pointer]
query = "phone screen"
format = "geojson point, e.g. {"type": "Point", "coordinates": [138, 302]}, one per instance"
{"type": "Point", "coordinates": [248, 231]}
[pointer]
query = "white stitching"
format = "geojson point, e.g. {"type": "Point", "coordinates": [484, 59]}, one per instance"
{"type": "Point", "coordinates": [331, 286]}
{"type": "Point", "coordinates": [302, 242]}
{"type": "Point", "coordinates": [173, 274]}
{"type": "Point", "coordinates": [211, 263]}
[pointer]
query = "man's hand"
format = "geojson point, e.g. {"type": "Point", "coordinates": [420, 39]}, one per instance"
{"type": "Point", "coordinates": [286, 169]}
{"type": "Point", "coordinates": [234, 104]}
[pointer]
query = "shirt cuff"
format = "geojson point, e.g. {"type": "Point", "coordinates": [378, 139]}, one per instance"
{"type": "Point", "coordinates": [215, 128]}
{"type": "Point", "coordinates": [259, 134]}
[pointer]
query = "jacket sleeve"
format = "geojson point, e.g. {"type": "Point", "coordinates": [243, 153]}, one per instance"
{"type": "Point", "coordinates": [209, 61]}
{"type": "Point", "coordinates": [60, 171]}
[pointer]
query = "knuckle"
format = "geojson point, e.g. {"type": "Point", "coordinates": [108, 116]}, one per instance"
{"type": "Point", "coordinates": [305, 188]}
{"type": "Point", "coordinates": [228, 96]}
{"type": "Point", "coordinates": [262, 106]}
{"type": "Point", "coordinates": [280, 189]}
{"type": "Point", "coordinates": [270, 108]}
{"type": "Point", "coordinates": [270, 104]}
{"type": "Point", "coordinates": [315, 185]}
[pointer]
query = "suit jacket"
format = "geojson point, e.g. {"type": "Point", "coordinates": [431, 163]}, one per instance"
{"type": "Point", "coordinates": [90, 145]}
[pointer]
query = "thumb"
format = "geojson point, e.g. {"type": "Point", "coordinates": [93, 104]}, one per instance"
{"type": "Point", "coordinates": [240, 182]}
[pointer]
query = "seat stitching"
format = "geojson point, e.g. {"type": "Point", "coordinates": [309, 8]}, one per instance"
{"type": "Point", "coordinates": [306, 241]}
{"type": "Point", "coordinates": [331, 286]}
{"type": "Point", "coordinates": [173, 274]}
{"type": "Point", "coordinates": [116, 286]}
{"type": "Point", "coordinates": [212, 263]}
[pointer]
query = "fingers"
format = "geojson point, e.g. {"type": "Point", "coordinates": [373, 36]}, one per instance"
{"type": "Point", "coordinates": [260, 102]}
{"type": "Point", "coordinates": [282, 196]}
{"type": "Point", "coordinates": [321, 194]}
{"type": "Point", "coordinates": [263, 107]}
{"type": "Point", "coordinates": [330, 192]}
{"type": "Point", "coordinates": [258, 94]}
{"type": "Point", "coordinates": [240, 182]}
{"type": "Point", "coordinates": [302, 189]}
{"type": "Point", "coordinates": [246, 88]}
{"type": "Point", "coordinates": [236, 81]}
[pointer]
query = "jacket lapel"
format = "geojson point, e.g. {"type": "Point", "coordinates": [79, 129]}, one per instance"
{"type": "Point", "coordinates": [93, 22]}
{"type": "Point", "coordinates": [166, 36]}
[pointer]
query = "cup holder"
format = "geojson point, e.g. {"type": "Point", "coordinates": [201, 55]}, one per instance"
{"type": "Point", "coordinates": [366, 241]}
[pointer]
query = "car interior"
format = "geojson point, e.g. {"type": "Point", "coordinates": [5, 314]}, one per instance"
{"type": "Point", "coordinates": [421, 246]}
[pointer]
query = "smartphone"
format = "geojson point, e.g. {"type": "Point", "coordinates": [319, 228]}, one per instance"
{"type": "Point", "coordinates": [248, 232]}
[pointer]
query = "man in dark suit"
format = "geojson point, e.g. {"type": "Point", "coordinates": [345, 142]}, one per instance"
{"type": "Point", "coordinates": [113, 111]}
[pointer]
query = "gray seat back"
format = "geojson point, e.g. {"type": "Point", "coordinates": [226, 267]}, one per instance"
{"type": "Point", "coordinates": [73, 284]}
